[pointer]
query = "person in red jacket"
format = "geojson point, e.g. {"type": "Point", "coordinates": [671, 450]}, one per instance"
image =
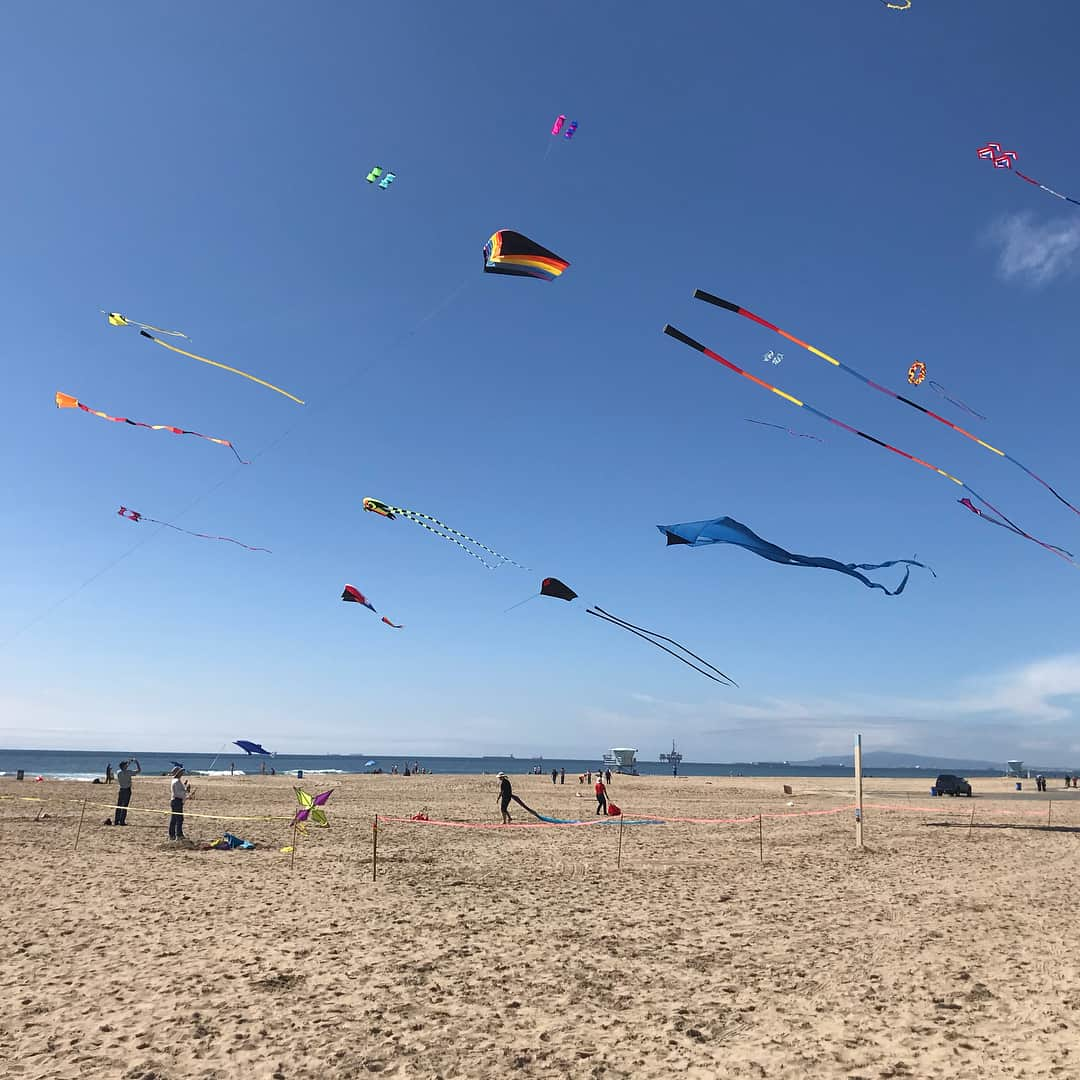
{"type": "Point", "coordinates": [601, 796]}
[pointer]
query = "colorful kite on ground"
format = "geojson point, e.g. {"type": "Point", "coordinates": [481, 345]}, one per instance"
{"type": "Point", "coordinates": [699, 294]}
{"type": "Point", "coordinates": [780, 427]}
{"type": "Point", "coordinates": [508, 252]}
{"type": "Point", "coordinates": [462, 540]}
{"type": "Point", "coordinates": [251, 747]}
{"type": "Point", "coordinates": [352, 595]}
{"type": "Point", "coordinates": [916, 373]}
{"type": "Point", "coordinates": [727, 530]}
{"type": "Point", "coordinates": [203, 359]}
{"type": "Point", "coordinates": [66, 401]}
{"type": "Point", "coordinates": [671, 331]}
{"type": "Point", "coordinates": [134, 515]}
{"type": "Point", "coordinates": [992, 152]}
{"type": "Point", "coordinates": [116, 319]}
{"type": "Point", "coordinates": [311, 809]}
{"type": "Point", "coordinates": [939, 389]}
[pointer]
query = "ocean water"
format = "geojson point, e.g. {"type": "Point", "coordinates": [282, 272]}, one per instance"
{"type": "Point", "coordinates": [88, 764]}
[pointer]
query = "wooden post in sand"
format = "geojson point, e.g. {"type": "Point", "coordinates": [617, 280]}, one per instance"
{"type": "Point", "coordinates": [971, 823]}
{"type": "Point", "coordinates": [374, 846]}
{"type": "Point", "coordinates": [618, 859]}
{"type": "Point", "coordinates": [79, 829]}
{"type": "Point", "coordinates": [1048, 807]}
{"type": "Point", "coordinates": [292, 851]}
{"type": "Point", "coordinates": [760, 838]}
{"type": "Point", "coordinates": [858, 791]}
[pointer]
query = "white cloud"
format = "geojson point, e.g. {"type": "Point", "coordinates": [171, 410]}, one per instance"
{"type": "Point", "coordinates": [1031, 709]}
{"type": "Point", "coordinates": [1035, 253]}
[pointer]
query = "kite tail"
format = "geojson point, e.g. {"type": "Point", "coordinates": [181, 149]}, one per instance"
{"type": "Point", "coordinates": [524, 807]}
{"type": "Point", "coordinates": [644, 634]}
{"type": "Point", "coordinates": [409, 516]}
{"type": "Point", "coordinates": [419, 519]}
{"type": "Point", "coordinates": [201, 536]}
{"type": "Point", "coordinates": [224, 367]}
{"type": "Point", "coordinates": [652, 633]}
{"type": "Point", "coordinates": [1002, 521]}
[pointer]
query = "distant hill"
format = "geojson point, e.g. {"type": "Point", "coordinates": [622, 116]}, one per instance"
{"type": "Point", "coordinates": [887, 759]}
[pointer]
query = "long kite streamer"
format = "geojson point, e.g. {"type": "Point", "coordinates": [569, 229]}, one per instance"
{"type": "Point", "coordinates": [649, 635]}
{"type": "Point", "coordinates": [700, 294]}
{"type": "Point", "coordinates": [134, 515]}
{"type": "Point", "coordinates": [1006, 524]}
{"type": "Point", "coordinates": [66, 401]}
{"type": "Point", "coordinates": [992, 152]}
{"type": "Point", "coordinates": [376, 506]}
{"type": "Point", "coordinates": [224, 367]}
{"type": "Point", "coordinates": [116, 319]}
{"type": "Point", "coordinates": [671, 331]}
{"type": "Point", "coordinates": [727, 530]}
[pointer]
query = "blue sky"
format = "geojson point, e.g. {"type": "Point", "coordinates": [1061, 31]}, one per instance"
{"type": "Point", "coordinates": [202, 167]}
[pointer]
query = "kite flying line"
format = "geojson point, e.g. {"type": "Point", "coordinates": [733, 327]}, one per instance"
{"type": "Point", "coordinates": [66, 401]}
{"type": "Point", "coordinates": [134, 515]}
{"type": "Point", "coordinates": [671, 331]}
{"type": "Point", "coordinates": [224, 367]}
{"type": "Point", "coordinates": [992, 152]}
{"type": "Point", "coordinates": [700, 294]}
{"type": "Point", "coordinates": [780, 427]}
{"type": "Point", "coordinates": [938, 388]}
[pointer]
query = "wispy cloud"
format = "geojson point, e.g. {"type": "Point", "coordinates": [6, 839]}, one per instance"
{"type": "Point", "coordinates": [1029, 709]}
{"type": "Point", "coordinates": [1033, 252]}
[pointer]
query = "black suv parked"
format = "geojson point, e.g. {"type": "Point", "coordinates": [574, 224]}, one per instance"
{"type": "Point", "coordinates": [947, 784]}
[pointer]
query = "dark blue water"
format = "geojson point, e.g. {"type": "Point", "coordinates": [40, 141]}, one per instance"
{"type": "Point", "coordinates": [87, 764]}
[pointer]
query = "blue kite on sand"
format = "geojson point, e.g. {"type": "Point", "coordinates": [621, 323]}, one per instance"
{"type": "Point", "coordinates": [252, 747]}
{"type": "Point", "coordinates": [725, 530]}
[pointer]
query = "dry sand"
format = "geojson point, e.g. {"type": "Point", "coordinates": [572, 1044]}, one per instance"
{"type": "Point", "coordinates": [941, 949]}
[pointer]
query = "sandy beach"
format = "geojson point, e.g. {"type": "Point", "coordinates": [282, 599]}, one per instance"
{"type": "Point", "coordinates": [946, 947]}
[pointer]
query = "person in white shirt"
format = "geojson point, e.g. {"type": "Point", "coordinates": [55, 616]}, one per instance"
{"type": "Point", "coordinates": [180, 790]}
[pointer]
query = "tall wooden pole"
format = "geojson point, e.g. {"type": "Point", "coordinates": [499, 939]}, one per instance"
{"type": "Point", "coordinates": [618, 860]}
{"type": "Point", "coordinates": [78, 831]}
{"type": "Point", "coordinates": [760, 839]}
{"type": "Point", "coordinates": [374, 846]}
{"type": "Point", "coordinates": [858, 792]}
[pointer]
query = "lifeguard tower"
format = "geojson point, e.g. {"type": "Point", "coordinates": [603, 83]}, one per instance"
{"type": "Point", "coordinates": [1015, 768]}
{"type": "Point", "coordinates": [623, 759]}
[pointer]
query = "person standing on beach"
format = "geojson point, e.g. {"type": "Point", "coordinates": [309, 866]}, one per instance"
{"type": "Point", "coordinates": [601, 796]}
{"type": "Point", "coordinates": [506, 793]}
{"type": "Point", "coordinates": [108, 774]}
{"type": "Point", "coordinates": [180, 790]}
{"type": "Point", "coordinates": [123, 789]}
{"type": "Point", "coordinates": [562, 776]}
{"type": "Point", "coordinates": [608, 776]}
{"type": "Point", "coordinates": [554, 776]}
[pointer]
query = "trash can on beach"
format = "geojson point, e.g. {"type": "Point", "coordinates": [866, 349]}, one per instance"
{"type": "Point", "coordinates": [933, 791]}
{"type": "Point", "coordinates": [19, 774]}
{"type": "Point", "coordinates": [1019, 786]}
{"type": "Point", "coordinates": [299, 774]}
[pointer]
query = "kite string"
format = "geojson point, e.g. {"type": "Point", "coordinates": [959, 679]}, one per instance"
{"type": "Point", "coordinates": [936, 386]}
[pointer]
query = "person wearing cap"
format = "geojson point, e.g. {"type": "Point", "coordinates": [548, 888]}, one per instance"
{"type": "Point", "coordinates": [123, 789]}
{"type": "Point", "coordinates": [601, 795]}
{"type": "Point", "coordinates": [180, 790]}
{"type": "Point", "coordinates": [506, 793]}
